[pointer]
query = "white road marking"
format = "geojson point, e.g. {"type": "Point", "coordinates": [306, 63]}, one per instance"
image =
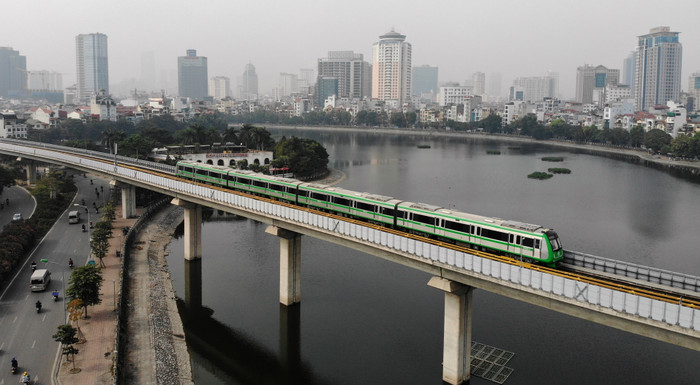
{"type": "Point", "coordinates": [14, 320]}
{"type": "Point", "coordinates": [33, 343]}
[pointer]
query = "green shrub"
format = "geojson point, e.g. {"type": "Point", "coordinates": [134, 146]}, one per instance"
{"type": "Point", "coordinates": [540, 175]}
{"type": "Point", "coordinates": [559, 170]}
{"type": "Point", "coordinates": [553, 159]}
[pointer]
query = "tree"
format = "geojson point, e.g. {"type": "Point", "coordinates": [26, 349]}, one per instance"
{"type": "Point", "coordinates": [66, 336]}
{"type": "Point", "coordinates": [656, 139]}
{"type": "Point", "coordinates": [491, 123]}
{"type": "Point", "coordinates": [7, 177]}
{"type": "Point", "coordinates": [85, 283]}
{"type": "Point", "coordinates": [111, 136]}
{"type": "Point", "coordinates": [136, 146]}
{"type": "Point", "coordinates": [305, 156]}
{"type": "Point", "coordinates": [636, 138]}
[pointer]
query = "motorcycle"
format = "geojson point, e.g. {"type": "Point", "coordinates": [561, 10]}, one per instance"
{"type": "Point", "coordinates": [14, 365]}
{"type": "Point", "coordinates": [54, 294]}
{"type": "Point", "coordinates": [83, 226]}
{"type": "Point", "coordinates": [70, 260]}
{"type": "Point", "coordinates": [33, 266]}
{"type": "Point", "coordinates": [38, 306]}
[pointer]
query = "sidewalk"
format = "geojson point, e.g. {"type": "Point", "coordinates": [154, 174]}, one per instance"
{"type": "Point", "coordinates": [95, 355]}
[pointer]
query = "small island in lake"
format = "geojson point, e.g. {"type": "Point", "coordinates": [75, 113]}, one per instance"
{"type": "Point", "coordinates": [540, 175]}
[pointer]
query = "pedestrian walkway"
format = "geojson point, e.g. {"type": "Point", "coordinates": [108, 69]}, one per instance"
{"type": "Point", "coordinates": [99, 330]}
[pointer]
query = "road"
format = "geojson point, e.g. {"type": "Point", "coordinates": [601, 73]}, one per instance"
{"type": "Point", "coordinates": [24, 333]}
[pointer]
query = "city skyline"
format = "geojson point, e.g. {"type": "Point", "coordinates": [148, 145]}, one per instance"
{"type": "Point", "coordinates": [517, 40]}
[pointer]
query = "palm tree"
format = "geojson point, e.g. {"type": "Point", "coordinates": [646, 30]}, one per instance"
{"type": "Point", "coordinates": [230, 135]}
{"type": "Point", "coordinates": [111, 136]}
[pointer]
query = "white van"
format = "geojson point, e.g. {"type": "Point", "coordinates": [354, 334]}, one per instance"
{"type": "Point", "coordinates": [40, 279]}
{"type": "Point", "coordinates": [74, 217]}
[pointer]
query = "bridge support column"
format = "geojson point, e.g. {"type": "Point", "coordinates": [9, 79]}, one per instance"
{"type": "Point", "coordinates": [193, 284]}
{"type": "Point", "coordinates": [128, 200]}
{"type": "Point", "coordinates": [290, 264]}
{"type": "Point", "coordinates": [31, 172]}
{"type": "Point", "coordinates": [193, 228]}
{"type": "Point", "coordinates": [457, 341]}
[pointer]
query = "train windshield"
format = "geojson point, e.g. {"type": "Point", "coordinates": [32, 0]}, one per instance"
{"type": "Point", "coordinates": [554, 240]}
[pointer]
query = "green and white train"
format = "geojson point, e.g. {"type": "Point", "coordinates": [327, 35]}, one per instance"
{"type": "Point", "coordinates": [520, 240]}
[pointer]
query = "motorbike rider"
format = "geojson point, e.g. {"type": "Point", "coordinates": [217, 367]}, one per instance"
{"type": "Point", "coordinates": [14, 363]}
{"type": "Point", "coordinates": [38, 305]}
{"type": "Point", "coordinates": [25, 378]}
{"type": "Point", "coordinates": [54, 294]}
{"type": "Point", "coordinates": [83, 226]}
{"type": "Point", "coordinates": [70, 260]}
{"type": "Point", "coordinates": [33, 265]}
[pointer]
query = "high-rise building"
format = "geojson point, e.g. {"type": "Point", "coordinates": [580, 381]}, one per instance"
{"type": "Point", "coordinates": [589, 78]}
{"type": "Point", "coordinates": [13, 72]}
{"type": "Point", "coordinates": [534, 88]}
{"type": "Point", "coordinates": [425, 80]}
{"type": "Point", "coordinates": [287, 85]}
{"type": "Point", "coordinates": [658, 68]}
{"type": "Point", "coordinates": [45, 80]}
{"type": "Point", "coordinates": [192, 75]}
{"type": "Point", "coordinates": [479, 83]}
{"type": "Point", "coordinates": [92, 65]}
{"type": "Point", "coordinates": [628, 70]}
{"type": "Point", "coordinates": [220, 87]}
{"type": "Point", "coordinates": [391, 68]}
{"type": "Point", "coordinates": [248, 84]}
{"type": "Point", "coordinates": [694, 91]}
{"type": "Point", "coordinates": [352, 72]}
{"type": "Point", "coordinates": [326, 86]}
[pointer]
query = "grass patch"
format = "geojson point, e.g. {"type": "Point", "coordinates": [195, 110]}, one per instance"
{"type": "Point", "coordinates": [559, 170]}
{"type": "Point", "coordinates": [493, 152]}
{"type": "Point", "coordinates": [553, 159]}
{"type": "Point", "coordinates": [540, 175]}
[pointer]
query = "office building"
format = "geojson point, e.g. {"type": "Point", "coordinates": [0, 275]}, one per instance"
{"type": "Point", "coordinates": [352, 72]}
{"type": "Point", "coordinates": [92, 65]}
{"type": "Point", "coordinates": [589, 78]}
{"type": "Point", "coordinates": [391, 68]}
{"type": "Point", "coordinates": [693, 91]}
{"type": "Point", "coordinates": [657, 68]}
{"type": "Point", "coordinates": [479, 83]}
{"type": "Point", "coordinates": [13, 73]}
{"type": "Point", "coordinates": [325, 87]}
{"type": "Point", "coordinates": [45, 80]}
{"type": "Point", "coordinates": [248, 84]}
{"type": "Point", "coordinates": [220, 87]}
{"type": "Point", "coordinates": [287, 86]}
{"type": "Point", "coordinates": [192, 76]}
{"type": "Point", "coordinates": [454, 95]}
{"type": "Point", "coordinates": [628, 70]}
{"type": "Point", "coordinates": [425, 80]}
{"type": "Point", "coordinates": [534, 88]}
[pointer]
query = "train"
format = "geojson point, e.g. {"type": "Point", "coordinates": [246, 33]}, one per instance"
{"type": "Point", "coordinates": [523, 241]}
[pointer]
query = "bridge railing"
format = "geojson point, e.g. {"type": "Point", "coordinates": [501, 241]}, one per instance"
{"type": "Point", "coordinates": [669, 313]}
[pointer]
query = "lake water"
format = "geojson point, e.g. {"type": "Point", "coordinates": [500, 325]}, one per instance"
{"type": "Point", "coordinates": [363, 320]}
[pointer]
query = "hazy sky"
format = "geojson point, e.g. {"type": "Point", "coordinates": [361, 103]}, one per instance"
{"type": "Point", "coordinates": [512, 37]}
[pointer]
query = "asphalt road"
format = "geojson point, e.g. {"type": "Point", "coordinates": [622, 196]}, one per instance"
{"type": "Point", "coordinates": [24, 333]}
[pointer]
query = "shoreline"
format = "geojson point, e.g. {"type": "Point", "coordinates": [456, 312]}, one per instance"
{"type": "Point", "coordinates": [683, 168]}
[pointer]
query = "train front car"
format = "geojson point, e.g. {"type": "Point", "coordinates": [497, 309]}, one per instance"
{"type": "Point", "coordinates": [556, 251]}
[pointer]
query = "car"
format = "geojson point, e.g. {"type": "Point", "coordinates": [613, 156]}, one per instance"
{"type": "Point", "coordinates": [17, 217]}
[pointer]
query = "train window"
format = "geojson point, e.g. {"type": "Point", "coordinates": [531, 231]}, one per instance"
{"type": "Point", "coordinates": [303, 193]}
{"type": "Point", "coordinates": [537, 243]}
{"type": "Point", "coordinates": [259, 183]}
{"type": "Point", "coordinates": [341, 201]}
{"type": "Point", "coordinates": [424, 219]}
{"type": "Point", "coordinates": [229, 177]}
{"type": "Point", "coordinates": [494, 234]}
{"type": "Point", "coordinates": [517, 240]}
{"type": "Point", "coordinates": [213, 174]}
{"type": "Point", "coordinates": [201, 172]}
{"type": "Point", "coordinates": [528, 242]}
{"type": "Point", "coordinates": [364, 206]}
{"type": "Point", "coordinates": [188, 169]}
{"type": "Point", "coordinates": [276, 187]}
{"type": "Point", "coordinates": [319, 196]}
{"type": "Point", "coordinates": [292, 190]}
{"type": "Point", "coordinates": [456, 226]}
{"type": "Point", "coordinates": [387, 211]}
{"type": "Point", "coordinates": [243, 180]}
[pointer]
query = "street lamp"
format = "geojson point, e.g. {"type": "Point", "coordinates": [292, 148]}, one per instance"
{"type": "Point", "coordinates": [63, 281]}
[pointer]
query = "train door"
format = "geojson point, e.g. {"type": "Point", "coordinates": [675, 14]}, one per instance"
{"type": "Point", "coordinates": [514, 244]}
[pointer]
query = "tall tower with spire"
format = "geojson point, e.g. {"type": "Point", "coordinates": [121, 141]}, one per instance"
{"type": "Point", "coordinates": [391, 69]}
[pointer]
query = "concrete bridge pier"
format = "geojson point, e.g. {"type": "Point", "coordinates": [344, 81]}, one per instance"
{"type": "Point", "coordinates": [31, 172]}
{"type": "Point", "coordinates": [128, 198]}
{"type": "Point", "coordinates": [193, 228]}
{"type": "Point", "coordinates": [457, 341]}
{"type": "Point", "coordinates": [193, 284]}
{"type": "Point", "coordinates": [290, 264]}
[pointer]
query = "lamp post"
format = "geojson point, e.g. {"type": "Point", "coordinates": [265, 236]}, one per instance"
{"type": "Point", "coordinates": [63, 281]}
